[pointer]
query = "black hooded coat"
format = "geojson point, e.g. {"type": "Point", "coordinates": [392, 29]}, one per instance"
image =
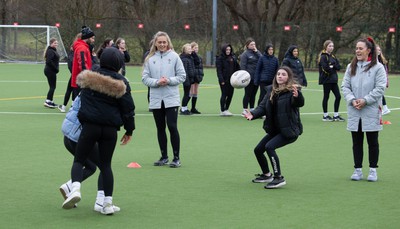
{"type": "Point", "coordinates": [226, 65]}
{"type": "Point", "coordinates": [296, 65]}
{"type": "Point", "coordinates": [106, 95]}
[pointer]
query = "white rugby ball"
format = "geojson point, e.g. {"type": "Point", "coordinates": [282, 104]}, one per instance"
{"type": "Point", "coordinates": [240, 79]}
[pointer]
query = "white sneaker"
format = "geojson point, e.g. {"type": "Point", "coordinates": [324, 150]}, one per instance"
{"type": "Point", "coordinates": [244, 113]}
{"type": "Point", "coordinates": [61, 108]}
{"type": "Point", "coordinates": [98, 207]}
{"type": "Point", "coordinates": [108, 209]}
{"type": "Point", "coordinates": [65, 190]}
{"type": "Point", "coordinates": [73, 198]}
{"type": "Point", "coordinates": [385, 111]}
{"type": "Point", "coordinates": [226, 113]}
{"type": "Point", "coordinates": [357, 174]}
{"type": "Point", "coordinates": [372, 176]}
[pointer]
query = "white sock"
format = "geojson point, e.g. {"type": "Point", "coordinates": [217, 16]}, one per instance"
{"type": "Point", "coordinates": [69, 184]}
{"type": "Point", "coordinates": [76, 186]}
{"type": "Point", "coordinates": [335, 114]}
{"type": "Point", "coordinates": [385, 107]}
{"type": "Point", "coordinates": [326, 114]}
{"type": "Point", "coordinates": [184, 109]}
{"type": "Point", "coordinates": [48, 101]}
{"type": "Point", "coordinates": [100, 197]}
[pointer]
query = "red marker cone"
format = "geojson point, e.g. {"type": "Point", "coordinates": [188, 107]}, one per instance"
{"type": "Point", "coordinates": [134, 165]}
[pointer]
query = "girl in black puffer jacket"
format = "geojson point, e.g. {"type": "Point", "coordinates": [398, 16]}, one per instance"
{"type": "Point", "coordinates": [328, 77]}
{"type": "Point", "coordinates": [226, 64]}
{"type": "Point", "coordinates": [188, 64]}
{"type": "Point", "coordinates": [294, 63]}
{"type": "Point", "coordinates": [106, 104]}
{"type": "Point", "coordinates": [50, 70]}
{"type": "Point", "coordinates": [282, 124]}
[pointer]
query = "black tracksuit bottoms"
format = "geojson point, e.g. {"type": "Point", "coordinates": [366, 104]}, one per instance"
{"type": "Point", "coordinates": [270, 143]}
{"type": "Point", "coordinates": [106, 138]}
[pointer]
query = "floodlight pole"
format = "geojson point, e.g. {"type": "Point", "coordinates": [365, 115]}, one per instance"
{"type": "Point", "coordinates": [214, 32]}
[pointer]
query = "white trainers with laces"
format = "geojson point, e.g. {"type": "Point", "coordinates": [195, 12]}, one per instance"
{"type": "Point", "coordinates": [108, 207]}
{"type": "Point", "coordinates": [357, 174]}
{"type": "Point", "coordinates": [98, 206]}
{"type": "Point", "coordinates": [372, 176]}
{"type": "Point", "coordinates": [74, 197]}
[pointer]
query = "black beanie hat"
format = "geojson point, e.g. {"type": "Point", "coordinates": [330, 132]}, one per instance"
{"type": "Point", "coordinates": [86, 32]}
{"type": "Point", "coordinates": [111, 59]}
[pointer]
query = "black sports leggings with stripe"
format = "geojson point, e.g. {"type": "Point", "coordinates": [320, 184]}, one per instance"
{"type": "Point", "coordinates": [167, 117]}
{"type": "Point", "coordinates": [270, 143]}
{"type": "Point", "coordinates": [106, 138]}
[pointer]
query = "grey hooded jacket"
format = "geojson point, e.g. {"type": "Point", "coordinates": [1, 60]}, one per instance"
{"type": "Point", "coordinates": [369, 85]}
{"type": "Point", "coordinates": [166, 64]}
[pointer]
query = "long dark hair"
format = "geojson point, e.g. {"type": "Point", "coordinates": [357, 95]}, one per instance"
{"type": "Point", "coordinates": [370, 43]}
{"type": "Point", "coordinates": [291, 81]}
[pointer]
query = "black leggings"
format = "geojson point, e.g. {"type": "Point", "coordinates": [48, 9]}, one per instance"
{"type": "Point", "coordinates": [269, 143]}
{"type": "Point", "coordinates": [328, 87]}
{"type": "Point", "coordinates": [52, 81]}
{"type": "Point", "coordinates": [226, 96]}
{"type": "Point", "coordinates": [106, 138]}
{"type": "Point", "coordinates": [250, 93]}
{"type": "Point", "coordinates": [358, 145]}
{"type": "Point", "coordinates": [167, 117]}
{"type": "Point", "coordinates": [89, 167]}
{"type": "Point", "coordinates": [68, 93]}
{"type": "Point", "coordinates": [186, 98]}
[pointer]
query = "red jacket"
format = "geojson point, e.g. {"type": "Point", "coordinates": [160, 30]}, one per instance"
{"type": "Point", "coordinates": [82, 60]}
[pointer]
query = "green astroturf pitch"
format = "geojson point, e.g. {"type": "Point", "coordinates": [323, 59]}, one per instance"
{"type": "Point", "coordinates": [213, 188]}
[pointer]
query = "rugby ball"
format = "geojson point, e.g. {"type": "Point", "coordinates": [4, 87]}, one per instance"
{"type": "Point", "coordinates": [240, 79]}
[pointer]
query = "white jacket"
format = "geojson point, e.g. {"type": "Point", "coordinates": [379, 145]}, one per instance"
{"type": "Point", "coordinates": [166, 64]}
{"type": "Point", "coordinates": [369, 85]}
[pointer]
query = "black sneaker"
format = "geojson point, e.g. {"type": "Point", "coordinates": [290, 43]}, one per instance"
{"type": "Point", "coordinates": [176, 163]}
{"type": "Point", "coordinates": [327, 119]}
{"type": "Point", "coordinates": [161, 162]}
{"type": "Point", "coordinates": [195, 111]}
{"type": "Point", "coordinates": [276, 183]}
{"type": "Point", "coordinates": [50, 104]}
{"type": "Point", "coordinates": [338, 119]}
{"type": "Point", "coordinates": [186, 112]}
{"type": "Point", "coordinates": [262, 178]}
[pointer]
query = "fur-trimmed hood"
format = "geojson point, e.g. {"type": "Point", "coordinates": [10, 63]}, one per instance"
{"type": "Point", "coordinates": [101, 83]}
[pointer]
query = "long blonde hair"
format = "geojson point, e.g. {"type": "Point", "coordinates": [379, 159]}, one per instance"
{"type": "Point", "coordinates": [381, 57]}
{"type": "Point", "coordinates": [325, 45]}
{"type": "Point", "coordinates": [52, 40]}
{"type": "Point", "coordinates": [185, 47]}
{"type": "Point", "coordinates": [153, 48]}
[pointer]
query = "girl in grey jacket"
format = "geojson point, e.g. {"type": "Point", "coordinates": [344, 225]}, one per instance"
{"type": "Point", "coordinates": [163, 72]}
{"type": "Point", "coordinates": [363, 87]}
